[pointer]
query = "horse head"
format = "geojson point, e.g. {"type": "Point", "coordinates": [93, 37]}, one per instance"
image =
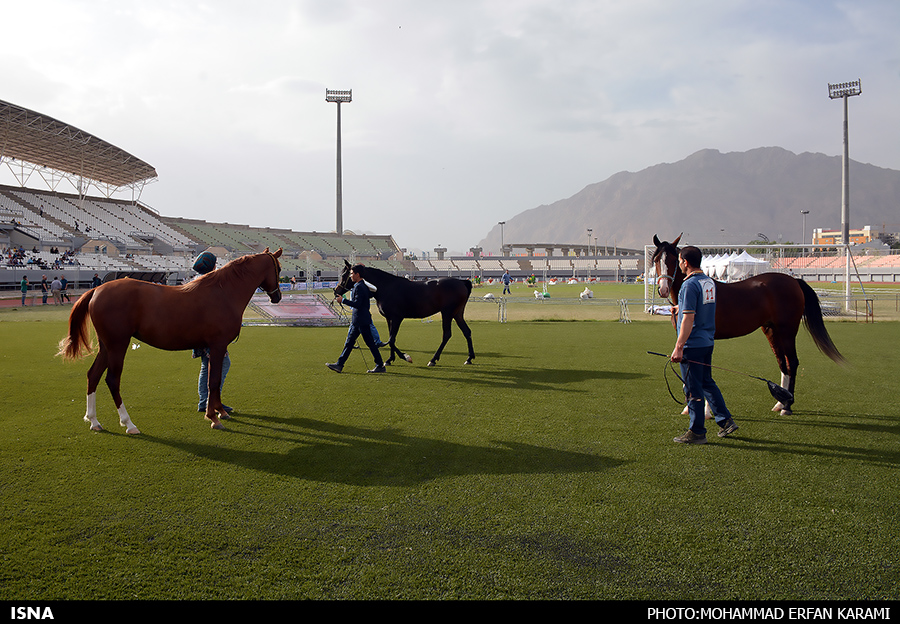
{"type": "Point", "coordinates": [270, 283]}
{"type": "Point", "coordinates": [665, 261]}
{"type": "Point", "coordinates": [345, 284]}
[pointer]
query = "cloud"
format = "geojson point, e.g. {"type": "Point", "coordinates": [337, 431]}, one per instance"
{"type": "Point", "coordinates": [478, 109]}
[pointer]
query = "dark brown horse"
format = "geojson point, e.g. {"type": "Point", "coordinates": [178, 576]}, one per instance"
{"type": "Point", "coordinates": [399, 298]}
{"type": "Point", "coordinates": [205, 313]}
{"type": "Point", "coordinates": [774, 302]}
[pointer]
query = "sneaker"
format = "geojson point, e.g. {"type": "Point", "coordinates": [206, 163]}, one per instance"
{"type": "Point", "coordinates": [378, 369]}
{"type": "Point", "coordinates": [689, 437]}
{"type": "Point", "coordinates": [335, 367]}
{"type": "Point", "coordinates": [728, 427]}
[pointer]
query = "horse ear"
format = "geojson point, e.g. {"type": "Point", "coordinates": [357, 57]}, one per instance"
{"type": "Point", "coordinates": [277, 254]}
{"type": "Point", "coordinates": [675, 242]}
{"type": "Point", "coordinates": [656, 241]}
{"type": "Point", "coordinates": [266, 250]}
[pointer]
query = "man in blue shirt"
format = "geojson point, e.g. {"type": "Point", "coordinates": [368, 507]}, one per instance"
{"type": "Point", "coordinates": [696, 324]}
{"type": "Point", "coordinates": [360, 323]}
{"type": "Point", "coordinates": [506, 279]}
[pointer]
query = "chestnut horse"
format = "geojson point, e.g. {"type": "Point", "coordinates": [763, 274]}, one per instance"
{"type": "Point", "coordinates": [773, 301]}
{"type": "Point", "coordinates": [399, 298]}
{"type": "Point", "coordinates": [205, 313]}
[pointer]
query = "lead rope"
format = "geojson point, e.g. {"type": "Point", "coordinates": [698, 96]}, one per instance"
{"type": "Point", "coordinates": [670, 364]}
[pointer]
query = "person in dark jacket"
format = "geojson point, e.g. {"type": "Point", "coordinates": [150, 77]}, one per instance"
{"type": "Point", "coordinates": [206, 263]}
{"type": "Point", "coordinates": [360, 323]}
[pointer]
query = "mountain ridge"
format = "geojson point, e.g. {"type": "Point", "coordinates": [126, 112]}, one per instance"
{"type": "Point", "coordinates": [713, 197]}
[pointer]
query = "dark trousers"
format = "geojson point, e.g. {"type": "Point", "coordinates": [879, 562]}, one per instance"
{"type": "Point", "coordinates": [366, 332]}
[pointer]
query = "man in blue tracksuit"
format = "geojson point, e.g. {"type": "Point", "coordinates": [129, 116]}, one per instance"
{"type": "Point", "coordinates": [360, 323]}
{"type": "Point", "coordinates": [694, 347]}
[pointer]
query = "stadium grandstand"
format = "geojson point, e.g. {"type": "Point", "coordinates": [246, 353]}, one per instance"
{"type": "Point", "coordinates": [78, 234]}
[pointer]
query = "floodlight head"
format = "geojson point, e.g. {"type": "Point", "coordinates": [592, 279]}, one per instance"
{"type": "Point", "coordinates": [844, 89]}
{"type": "Point", "coordinates": [338, 96]}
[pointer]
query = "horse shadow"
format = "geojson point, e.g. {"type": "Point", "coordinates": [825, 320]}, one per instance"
{"type": "Point", "coordinates": [877, 424]}
{"type": "Point", "coordinates": [526, 378]}
{"type": "Point", "coordinates": [352, 455]}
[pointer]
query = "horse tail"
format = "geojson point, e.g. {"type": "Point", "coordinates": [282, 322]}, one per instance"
{"type": "Point", "coordinates": [77, 343]}
{"type": "Point", "coordinates": [468, 284]}
{"type": "Point", "coordinates": [812, 317]}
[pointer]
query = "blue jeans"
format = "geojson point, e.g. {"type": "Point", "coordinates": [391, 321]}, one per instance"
{"type": "Point", "coordinates": [203, 383]}
{"type": "Point", "coordinates": [699, 385]}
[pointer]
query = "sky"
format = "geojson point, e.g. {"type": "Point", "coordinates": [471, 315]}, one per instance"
{"type": "Point", "coordinates": [464, 113]}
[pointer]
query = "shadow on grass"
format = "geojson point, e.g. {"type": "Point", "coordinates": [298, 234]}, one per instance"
{"type": "Point", "coordinates": [880, 425]}
{"type": "Point", "coordinates": [523, 378]}
{"type": "Point", "coordinates": [335, 453]}
{"type": "Point", "coordinates": [829, 451]}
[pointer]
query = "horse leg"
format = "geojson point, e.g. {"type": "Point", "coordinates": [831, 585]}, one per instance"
{"type": "Point", "coordinates": [116, 361]}
{"type": "Point", "coordinates": [391, 335]}
{"type": "Point", "coordinates": [464, 328]}
{"type": "Point", "coordinates": [95, 373]}
{"type": "Point", "coordinates": [446, 323]}
{"type": "Point", "coordinates": [394, 327]}
{"type": "Point", "coordinates": [709, 414]}
{"type": "Point", "coordinates": [214, 399]}
{"type": "Point", "coordinates": [786, 355]}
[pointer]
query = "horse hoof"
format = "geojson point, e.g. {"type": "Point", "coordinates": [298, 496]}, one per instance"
{"type": "Point", "coordinates": [408, 358]}
{"type": "Point", "coordinates": [431, 363]}
{"type": "Point", "coordinates": [217, 425]}
{"type": "Point", "coordinates": [467, 362]}
{"type": "Point", "coordinates": [96, 428]}
{"type": "Point", "coordinates": [786, 412]}
{"type": "Point", "coordinates": [133, 431]}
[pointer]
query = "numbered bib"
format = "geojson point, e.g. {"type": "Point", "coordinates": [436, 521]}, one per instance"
{"type": "Point", "coordinates": [709, 290]}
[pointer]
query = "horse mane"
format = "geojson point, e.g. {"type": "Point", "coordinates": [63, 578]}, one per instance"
{"type": "Point", "coordinates": [234, 271]}
{"type": "Point", "coordinates": [378, 273]}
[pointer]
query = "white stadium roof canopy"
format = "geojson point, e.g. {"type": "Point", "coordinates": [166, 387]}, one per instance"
{"type": "Point", "coordinates": [32, 142]}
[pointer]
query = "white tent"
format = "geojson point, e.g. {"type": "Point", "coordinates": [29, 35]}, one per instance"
{"type": "Point", "coordinates": [744, 266]}
{"type": "Point", "coordinates": [707, 264]}
{"type": "Point", "coordinates": [720, 268]}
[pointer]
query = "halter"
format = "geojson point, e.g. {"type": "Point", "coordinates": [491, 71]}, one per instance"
{"type": "Point", "coordinates": [662, 277]}
{"type": "Point", "coordinates": [277, 288]}
{"type": "Point", "coordinates": [666, 276]}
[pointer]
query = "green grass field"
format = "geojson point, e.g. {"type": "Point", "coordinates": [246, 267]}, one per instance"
{"type": "Point", "coordinates": [544, 471]}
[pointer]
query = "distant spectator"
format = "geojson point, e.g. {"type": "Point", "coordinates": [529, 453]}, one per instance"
{"type": "Point", "coordinates": [55, 289]}
{"type": "Point", "coordinates": [96, 281]}
{"type": "Point", "coordinates": [24, 287]}
{"type": "Point", "coordinates": [45, 289]}
{"type": "Point", "coordinates": [65, 285]}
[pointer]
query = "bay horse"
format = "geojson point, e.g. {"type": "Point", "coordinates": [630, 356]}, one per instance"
{"type": "Point", "coordinates": [399, 298]}
{"type": "Point", "coordinates": [204, 313]}
{"type": "Point", "coordinates": [775, 302]}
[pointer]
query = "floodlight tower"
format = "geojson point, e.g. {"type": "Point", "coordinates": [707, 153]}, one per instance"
{"type": "Point", "coordinates": [803, 233]}
{"type": "Point", "coordinates": [844, 90]}
{"type": "Point", "coordinates": [339, 97]}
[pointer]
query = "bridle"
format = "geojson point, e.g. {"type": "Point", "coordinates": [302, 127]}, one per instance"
{"type": "Point", "coordinates": [277, 289]}
{"type": "Point", "coordinates": [343, 285]}
{"type": "Point", "coordinates": [665, 276]}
